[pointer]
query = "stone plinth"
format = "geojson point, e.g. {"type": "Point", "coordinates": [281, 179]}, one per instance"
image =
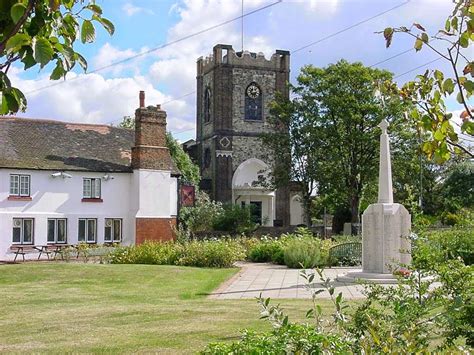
{"type": "Point", "coordinates": [385, 243]}
{"type": "Point", "coordinates": [385, 238]}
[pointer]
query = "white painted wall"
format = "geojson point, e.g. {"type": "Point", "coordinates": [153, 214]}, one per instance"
{"type": "Point", "coordinates": [157, 193]}
{"type": "Point", "coordinates": [148, 193]}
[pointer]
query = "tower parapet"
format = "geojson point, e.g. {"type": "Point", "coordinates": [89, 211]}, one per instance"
{"type": "Point", "coordinates": [224, 54]}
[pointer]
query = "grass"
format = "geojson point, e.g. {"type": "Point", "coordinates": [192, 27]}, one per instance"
{"type": "Point", "coordinates": [73, 307]}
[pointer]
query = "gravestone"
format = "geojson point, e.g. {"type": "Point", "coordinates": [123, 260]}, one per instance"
{"type": "Point", "coordinates": [385, 228]}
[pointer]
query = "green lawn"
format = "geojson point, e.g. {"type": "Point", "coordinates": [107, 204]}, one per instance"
{"type": "Point", "coordinates": [73, 307]}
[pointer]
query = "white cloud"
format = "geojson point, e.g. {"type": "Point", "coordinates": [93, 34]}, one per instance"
{"type": "Point", "coordinates": [94, 99]}
{"type": "Point", "coordinates": [323, 7]}
{"type": "Point", "coordinates": [131, 9]}
{"type": "Point", "coordinates": [176, 65]}
{"type": "Point", "coordinates": [109, 54]}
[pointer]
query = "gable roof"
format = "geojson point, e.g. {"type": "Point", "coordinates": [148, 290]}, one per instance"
{"type": "Point", "coordinates": [53, 145]}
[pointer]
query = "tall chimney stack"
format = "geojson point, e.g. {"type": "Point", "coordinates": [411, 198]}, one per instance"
{"type": "Point", "coordinates": [150, 150]}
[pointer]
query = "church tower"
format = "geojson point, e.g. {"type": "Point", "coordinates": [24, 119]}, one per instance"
{"type": "Point", "coordinates": [234, 94]}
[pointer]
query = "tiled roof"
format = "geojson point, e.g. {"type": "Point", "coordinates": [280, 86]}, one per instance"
{"type": "Point", "coordinates": [54, 145]}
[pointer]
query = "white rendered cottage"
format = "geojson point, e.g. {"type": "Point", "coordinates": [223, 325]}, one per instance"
{"type": "Point", "coordinates": [69, 183]}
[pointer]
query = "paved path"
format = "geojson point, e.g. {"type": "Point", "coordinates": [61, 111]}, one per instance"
{"type": "Point", "coordinates": [277, 281]}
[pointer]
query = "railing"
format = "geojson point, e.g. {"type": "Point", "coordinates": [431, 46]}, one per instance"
{"type": "Point", "coordinates": [346, 254]}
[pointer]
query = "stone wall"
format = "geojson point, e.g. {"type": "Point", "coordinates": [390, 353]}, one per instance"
{"type": "Point", "coordinates": [241, 79]}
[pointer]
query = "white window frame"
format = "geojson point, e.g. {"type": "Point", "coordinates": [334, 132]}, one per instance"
{"type": "Point", "coordinates": [16, 188]}
{"type": "Point", "coordinates": [21, 227]}
{"type": "Point", "coordinates": [112, 230]}
{"type": "Point", "coordinates": [56, 229]}
{"type": "Point", "coordinates": [86, 230]}
{"type": "Point", "coordinates": [91, 187]}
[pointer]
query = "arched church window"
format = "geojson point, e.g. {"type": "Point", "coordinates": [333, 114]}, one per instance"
{"type": "Point", "coordinates": [207, 105]}
{"type": "Point", "coordinates": [253, 102]}
{"type": "Point", "coordinates": [207, 158]}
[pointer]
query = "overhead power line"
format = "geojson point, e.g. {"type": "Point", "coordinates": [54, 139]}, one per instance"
{"type": "Point", "coordinates": [349, 27]}
{"type": "Point", "coordinates": [418, 67]}
{"type": "Point", "coordinates": [160, 47]}
{"type": "Point", "coordinates": [390, 58]}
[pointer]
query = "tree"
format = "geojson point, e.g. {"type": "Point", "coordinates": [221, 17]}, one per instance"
{"type": "Point", "coordinates": [333, 136]}
{"type": "Point", "coordinates": [189, 170]}
{"type": "Point", "coordinates": [457, 188]}
{"type": "Point", "coordinates": [42, 31]}
{"type": "Point", "coordinates": [429, 91]}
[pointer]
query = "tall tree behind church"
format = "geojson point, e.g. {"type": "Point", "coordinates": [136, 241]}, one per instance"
{"type": "Point", "coordinates": [333, 120]}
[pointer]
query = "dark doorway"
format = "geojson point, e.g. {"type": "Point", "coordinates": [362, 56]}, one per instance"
{"type": "Point", "coordinates": [256, 211]}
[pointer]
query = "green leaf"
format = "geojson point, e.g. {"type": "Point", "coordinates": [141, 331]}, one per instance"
{"type": "Point", "coordinates": [464, 40]}
{"type": "Point", "coordinates": [20, 99]}
{"type": "Point", "coordinates": [459, 98]}
{"type": "Point", "coordinates": [5, 83]}
{"type": "Point", "coordinates": [17, 41]}
{"type": "Point", "coordinates": [58, 71]}
{"type": "Point", "coordinates": [28, 59]}
{"type": "Point", "coordinates": [439, 136]}
{"type": "Point", "coordinates": [424, 37]}
{"type": "Point", "coordinates": [95, 8]}
{"type": "Point", "coordinates": [9, 103]}
{"type": "Point", "coordinates": [108, 25]}
{"type": "Point", "coordinates": [418, 44]}
{"type": "Point", "coordinates": [447, 25]}
{"type": "Point", "coordinates": [42, 51]}
{"type": "Point", "coordinates": [69, 57]}
{"type": "Point", "coordinates": [388, 34]}
{"type": "Point", "coordinates": [438, 75]}
{"type": "Point", "coordinates": [17, 11]}
{"type": "Point", "coordinates": [454, 23]}
{"type": "Point", "coordinates": [448, 86]}
{"type": "Point", "coordinates": [468, 127]}
{"type": "Point", "coordinates": [87, 32]}
{"type": "Point", "coordinates": [82, 61]}
{"type": "Point", "coordinates": [469, 86]}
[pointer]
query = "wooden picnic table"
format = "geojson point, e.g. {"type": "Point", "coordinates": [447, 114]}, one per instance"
{"type": "Point", "coordinates": [48, 249]}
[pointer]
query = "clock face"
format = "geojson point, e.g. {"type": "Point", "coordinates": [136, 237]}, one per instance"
{"type": "Point", "coordinates": [253, 91]}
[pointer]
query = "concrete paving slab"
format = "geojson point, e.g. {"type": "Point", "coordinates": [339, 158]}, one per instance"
{"type": "Point", "coordinates": [277, 281]}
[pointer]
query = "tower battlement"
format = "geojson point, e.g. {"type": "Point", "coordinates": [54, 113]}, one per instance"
{"type": "Point", "coordinates": [224, 54]}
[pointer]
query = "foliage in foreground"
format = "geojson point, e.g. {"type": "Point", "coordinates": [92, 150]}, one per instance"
{"type": "Point", "coordinates": [429, 310]}
{"type": "Point", "coordinates": [41, 32]}
{"type": "Point", "coordinates": [411, 317]}
{"type": "Point", "coordinates": [429, 91]}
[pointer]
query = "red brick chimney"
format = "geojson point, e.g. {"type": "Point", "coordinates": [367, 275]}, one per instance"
{"type": "Point", "coordinates": [141, 97]}
{"type": "Point", "coordinates": [150, 151]}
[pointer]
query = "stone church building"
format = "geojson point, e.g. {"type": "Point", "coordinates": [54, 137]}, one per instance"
{"type": "Point", "coordinates": [234, 95]}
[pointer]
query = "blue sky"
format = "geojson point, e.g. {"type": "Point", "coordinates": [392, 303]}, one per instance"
{"type": "Point", "coordinates": [167, 74]}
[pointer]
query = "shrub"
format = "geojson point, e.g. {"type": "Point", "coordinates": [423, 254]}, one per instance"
{"type": "Point", "coordinates": [235, 219]}
{"type": "Point", "coordinates": [215, 253]}
{"type": "Point", "coordinates": [303, 252]}
{"type": "Point", "coordinates": [222, 253]}
{"type": "Point", "coordinates": [266, 250]}
{"type": "Point", "coordinates": [166, 253]}
{"type": "Point", "coordinates": [434, 247]}
{"type": "Point", "coordinates": [450, 219]}
{"type": "Point", "coordinates": [201, 217]}
{"type": "Point", "coordinates": [290, 339]}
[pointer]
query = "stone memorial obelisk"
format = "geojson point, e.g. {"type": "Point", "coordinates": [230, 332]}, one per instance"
{"type": "Point", "coordinates": [385, 228]}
